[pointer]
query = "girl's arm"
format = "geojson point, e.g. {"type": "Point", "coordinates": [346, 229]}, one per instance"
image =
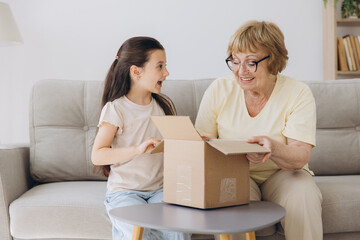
{"type": "Point", "coordinates": [102, 154]}
{"type": "Point", "coordinates": [291, 156]}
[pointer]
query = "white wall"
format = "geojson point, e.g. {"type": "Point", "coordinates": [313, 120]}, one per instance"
{"type": "Point", "coordinates": [78, 39]}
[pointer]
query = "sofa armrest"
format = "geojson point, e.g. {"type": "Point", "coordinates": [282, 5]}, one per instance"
{"type": "Point", "coordinates": [14, 181]}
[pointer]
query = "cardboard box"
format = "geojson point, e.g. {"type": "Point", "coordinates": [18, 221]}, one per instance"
{"type": "Point", "coordinates": [199, 173]}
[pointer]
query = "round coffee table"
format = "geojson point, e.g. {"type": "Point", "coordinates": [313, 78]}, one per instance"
{"type": "Point", "coordinates": [224, 221]}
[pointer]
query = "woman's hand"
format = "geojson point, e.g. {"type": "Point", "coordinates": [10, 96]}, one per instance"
{"type": "Point", "coordinates": [260, 157]}
{"type": "Point", "coordinates": [290, 156]}
{"type": "Point", "coordinates": [147, 145]}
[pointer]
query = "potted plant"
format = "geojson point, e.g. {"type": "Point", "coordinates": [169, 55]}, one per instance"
{"type": "Point", "coordinates": [350, 9]}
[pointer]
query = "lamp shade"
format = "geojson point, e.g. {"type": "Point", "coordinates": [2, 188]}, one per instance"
{"type": "Point", "coordinates": [9, 33]}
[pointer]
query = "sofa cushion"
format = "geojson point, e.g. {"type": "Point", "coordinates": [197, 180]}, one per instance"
{"type": "Point", "coordinates": [61, 210]}
{"type": "Point", "coordinates": [341, 196]}
{"type": "Point", "coordinates": [338, 124]}
{"type": "Point", "coordinates": [63, 120]}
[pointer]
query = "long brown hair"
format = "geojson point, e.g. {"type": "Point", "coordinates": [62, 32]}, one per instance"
{"type": "Point", "coordinates": [134, 51]}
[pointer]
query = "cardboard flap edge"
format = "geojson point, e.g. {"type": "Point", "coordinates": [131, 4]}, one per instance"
{"type": "Point", "coordinates": [237, 147]}
{"type": "Point", "coordinates": [176, 127]}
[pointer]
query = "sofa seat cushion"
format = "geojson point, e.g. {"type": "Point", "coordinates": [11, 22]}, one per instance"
{"type": "Point", "coordinates": [341, 203]}
{"type": "Point", "coordinates": [60, 211]}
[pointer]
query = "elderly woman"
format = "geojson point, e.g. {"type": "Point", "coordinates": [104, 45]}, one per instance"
{"type": "Point", "coordinates": [261, 105]}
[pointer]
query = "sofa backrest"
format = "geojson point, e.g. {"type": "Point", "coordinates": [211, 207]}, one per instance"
{"type": "Point", "coordinates": [63, 120]}
{"type": "Point", "coordinates": [338, 125]}
{"type": "Point", "coordinates": [64, 116]}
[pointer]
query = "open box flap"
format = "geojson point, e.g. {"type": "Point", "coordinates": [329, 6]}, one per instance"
{"type": "Point", "coordinates": [176, 127]}
{"type": "Point", "coordinates": [158, 148]}
{"type": "Point", "coordinates": [231, 147]}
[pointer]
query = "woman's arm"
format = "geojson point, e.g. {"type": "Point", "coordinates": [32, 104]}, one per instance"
{"type": "Point", "coordinates": [102, 154]}
{"type": "Point", "coordinates": [205, 122]}
{"type": "Point", "coordinates": [290, 156]}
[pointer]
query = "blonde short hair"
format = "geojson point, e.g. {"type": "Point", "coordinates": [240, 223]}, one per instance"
{"type": "Point", "coordinates": [255, 35]}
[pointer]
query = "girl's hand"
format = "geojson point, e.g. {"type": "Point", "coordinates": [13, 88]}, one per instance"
{"type": "Point", "coordinates": [207, 138]}
{"type": "Point", "coordinates": [260, 157]}
{"type": "Point", "coordinates": [147, 145]}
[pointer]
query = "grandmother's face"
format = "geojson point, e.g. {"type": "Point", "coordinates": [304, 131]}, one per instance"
{"type": "Point", "coordinates": [251, 70]}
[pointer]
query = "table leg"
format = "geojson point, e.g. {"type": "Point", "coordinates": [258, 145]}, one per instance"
{"type": "Point", "coordinates": [250, 236]}
{"type": "Point", "coordinates": [137, 233]}
{"type": "Point", "coordinates": [224, 237]}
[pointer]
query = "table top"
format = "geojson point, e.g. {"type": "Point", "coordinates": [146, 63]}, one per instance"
{"type": "Point", "coordinates": [238, 219]}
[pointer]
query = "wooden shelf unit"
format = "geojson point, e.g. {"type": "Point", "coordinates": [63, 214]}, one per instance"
{"type": "Point", "coordinates": [348, 20]}
{"type": "Point", "coordinates": [348, 73]}
{"type": "Point", "coordinates": [331, 23]}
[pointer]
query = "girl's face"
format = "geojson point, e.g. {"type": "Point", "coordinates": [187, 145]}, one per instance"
{"type": "Point", "coordinates": [154, 72]}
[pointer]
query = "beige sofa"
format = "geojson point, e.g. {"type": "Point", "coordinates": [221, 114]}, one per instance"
{"type": "Point", "coordinates": [49, 191]}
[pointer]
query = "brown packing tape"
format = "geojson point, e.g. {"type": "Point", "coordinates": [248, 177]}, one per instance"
{"type": "Point", "coordinates": [227, 190]}
{"type": "Point", "coordinates": [183, 184]}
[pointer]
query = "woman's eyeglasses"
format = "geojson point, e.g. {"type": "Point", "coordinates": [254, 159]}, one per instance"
{"type": "Point", "coordinates": [251, 66]}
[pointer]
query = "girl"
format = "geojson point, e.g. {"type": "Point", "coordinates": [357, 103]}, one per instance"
{"type": "Point", "coordinates": [126, 134]}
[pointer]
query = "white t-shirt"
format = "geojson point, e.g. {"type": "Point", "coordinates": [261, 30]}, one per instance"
{"type": "Point", "coordinates": [290, 112]}
{"type": "Point", "coordinates": [143, 172]}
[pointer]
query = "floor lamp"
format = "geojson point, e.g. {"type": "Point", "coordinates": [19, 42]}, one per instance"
{"type": "Point", "coordinates": [9, 33]}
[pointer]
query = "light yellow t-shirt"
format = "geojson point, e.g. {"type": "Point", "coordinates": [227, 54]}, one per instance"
{"type": "Point", "coordinates": [290, 112]}
{"type": "Point", "coordinates": [143, 172]}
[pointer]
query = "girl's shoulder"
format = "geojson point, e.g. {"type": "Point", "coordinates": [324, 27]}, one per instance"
{"type": "Point", "coordinates": [116, 105]}
{"type": "Point", "coordinates": [118, 101]}
{"type": "Point", "coordinates": [112, 113]}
